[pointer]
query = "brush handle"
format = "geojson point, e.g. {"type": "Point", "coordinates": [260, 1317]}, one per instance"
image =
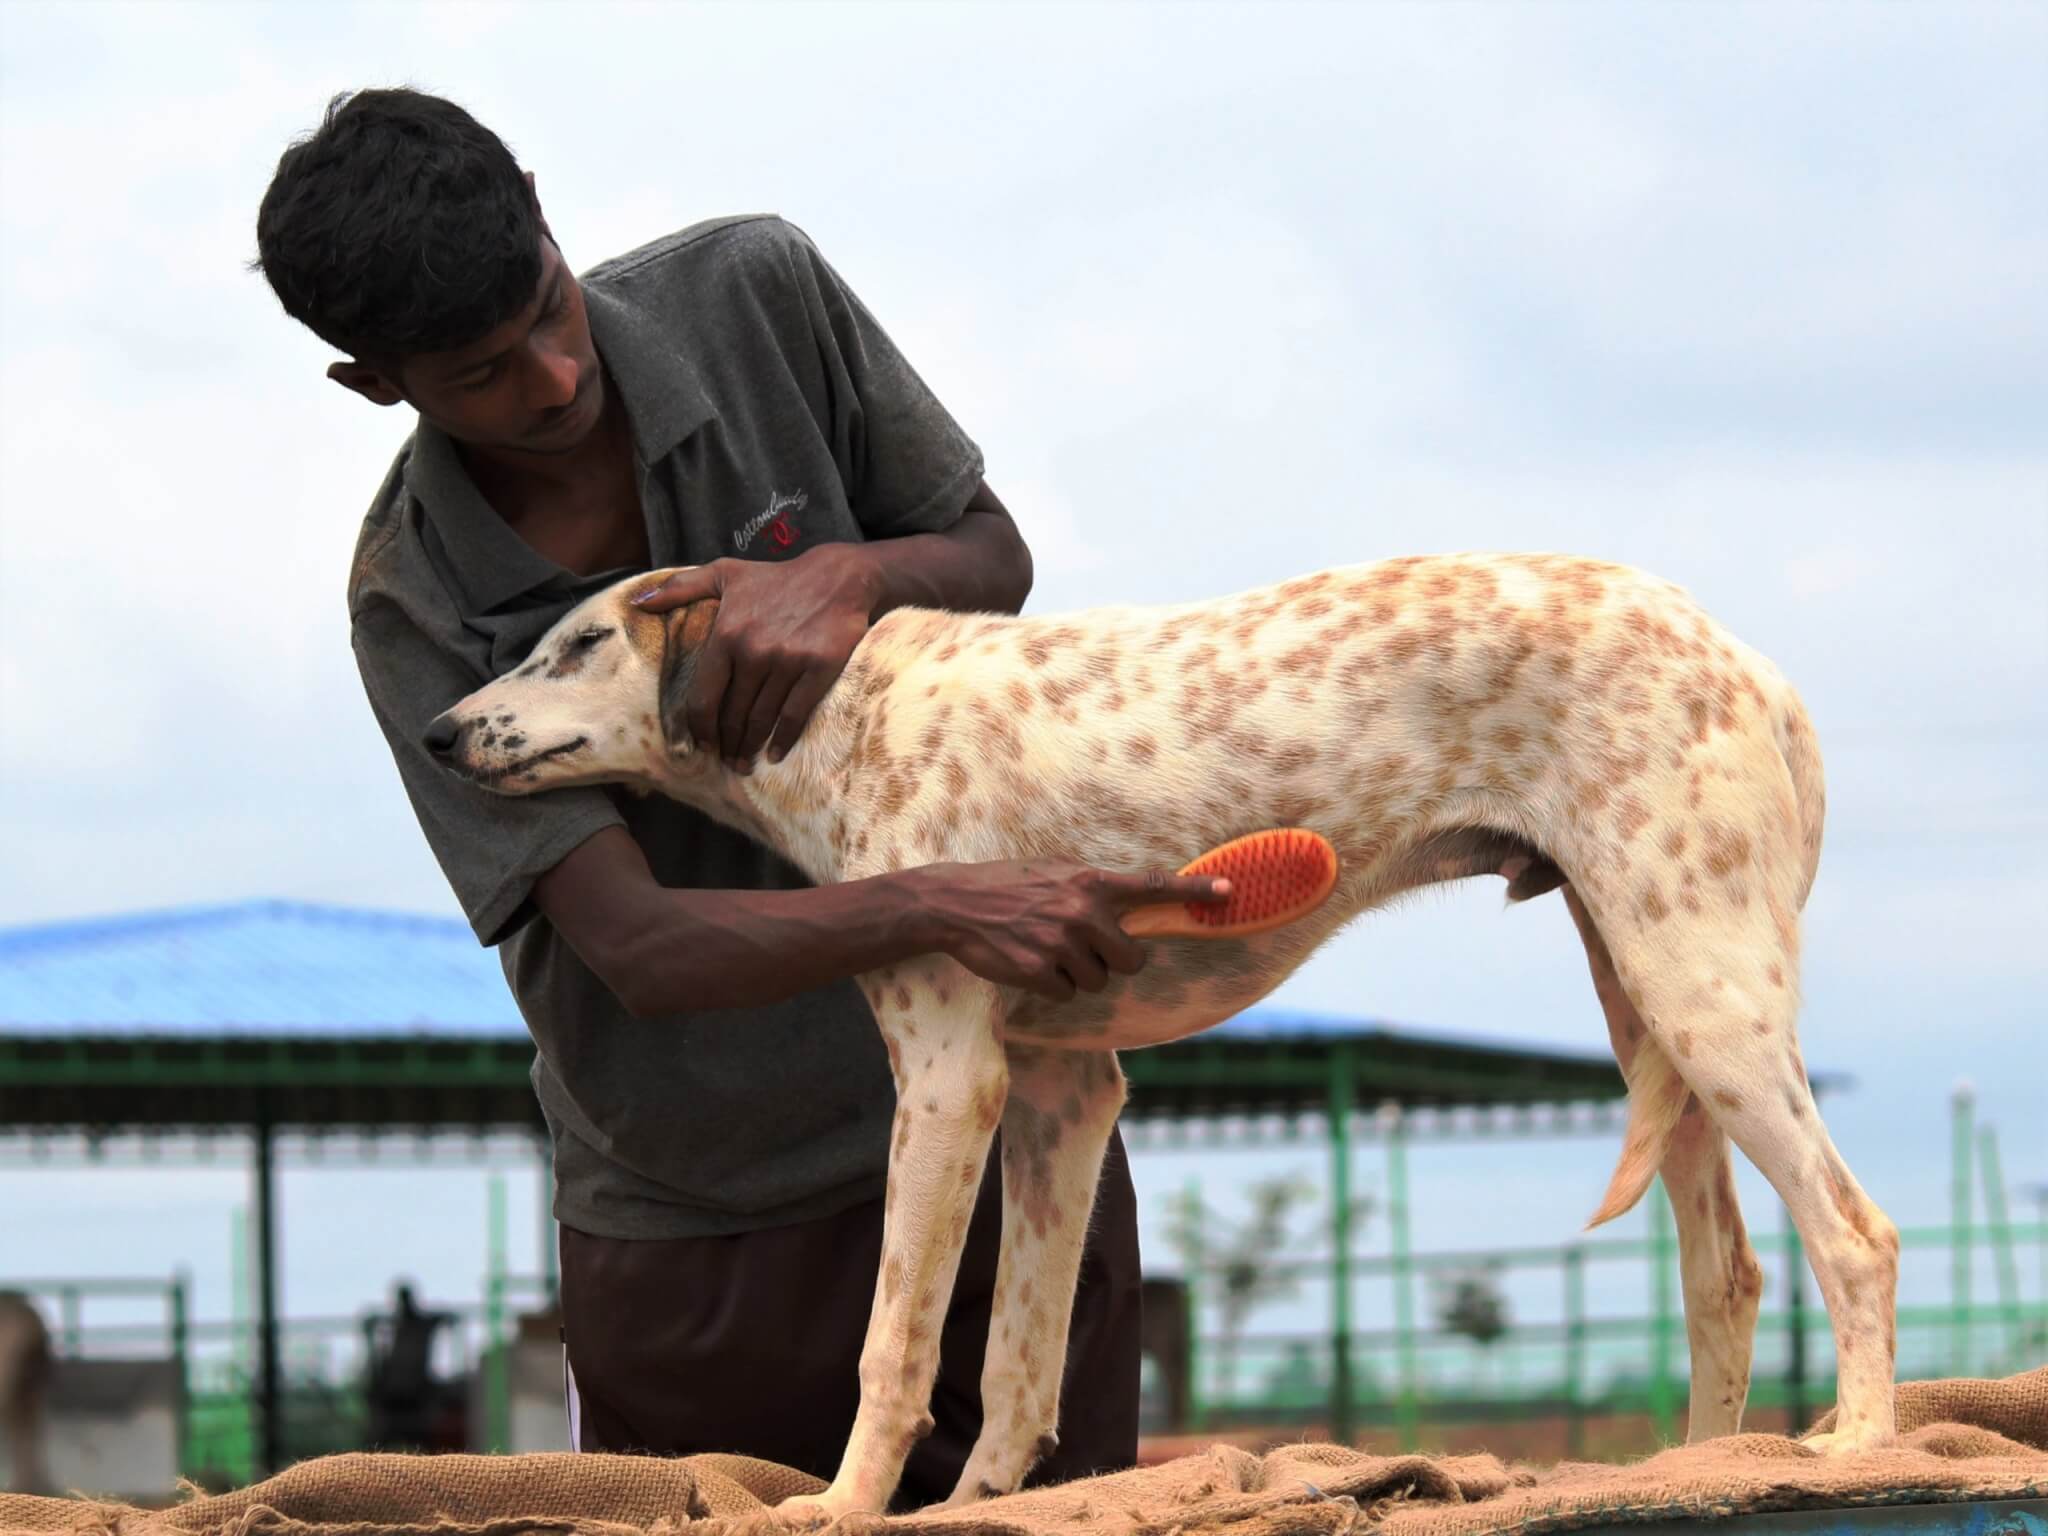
{"type": "Point", "coordinates": [1172, 919]}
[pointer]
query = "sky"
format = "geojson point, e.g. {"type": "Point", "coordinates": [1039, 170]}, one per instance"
{"type": "Point", "coordinates": [1747, 295]}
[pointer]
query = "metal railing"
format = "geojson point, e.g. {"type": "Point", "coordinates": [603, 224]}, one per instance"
{"type": "Point", "coordinates": [1569, 1363]}
{"type": "Point", "coordinates": [1568, 1369]}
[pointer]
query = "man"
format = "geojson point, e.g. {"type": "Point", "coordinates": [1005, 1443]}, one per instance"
{"type": "Point", "coordinates": [26, 1366]}
{"type": "Point", "coordinates": [405, 1397]}
{"type": "Point", "coordinates": [716, 1093]}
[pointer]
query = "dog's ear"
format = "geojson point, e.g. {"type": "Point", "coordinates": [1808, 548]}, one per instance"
{"type": "Point", "coordinates": [685, 632]}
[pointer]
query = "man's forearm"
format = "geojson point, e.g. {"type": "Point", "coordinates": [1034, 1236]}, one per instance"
{"type": "Point", "coordinates": [663, 950]}
{"type": "Point", "coordinates": [979, 565]}
{"type": "Point", "coordinates": [745, 949]}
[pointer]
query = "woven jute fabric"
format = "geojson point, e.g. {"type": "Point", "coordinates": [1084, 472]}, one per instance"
{"type": "Point", "coordinates": [1959, 1440]}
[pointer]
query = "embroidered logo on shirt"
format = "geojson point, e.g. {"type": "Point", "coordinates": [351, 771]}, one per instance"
{"type": "Point", "coordinates": [775, 521]}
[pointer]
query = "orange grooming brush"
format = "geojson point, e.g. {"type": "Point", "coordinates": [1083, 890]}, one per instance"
{"type": "Point", "coordinates": [1275, 877]}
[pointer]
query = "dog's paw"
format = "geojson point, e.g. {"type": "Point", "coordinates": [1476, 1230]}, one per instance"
{"type": "Point", "coordinates": [815, 1511]}
{"type": "Point", "coordinates": [1847, 1442]}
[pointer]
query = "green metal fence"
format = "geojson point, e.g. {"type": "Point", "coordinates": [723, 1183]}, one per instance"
{"type": "Point", "coordinates": [1567, 1370]}
{"type": "Point", "coordinates": [1412, 1380]}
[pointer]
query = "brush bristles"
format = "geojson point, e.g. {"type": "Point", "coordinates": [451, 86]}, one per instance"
{"type": "Point", "coordinates": [1269, 873]}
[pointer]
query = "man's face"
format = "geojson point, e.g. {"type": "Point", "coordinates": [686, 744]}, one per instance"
{"type": "Point", "coordinates": [532, 385]}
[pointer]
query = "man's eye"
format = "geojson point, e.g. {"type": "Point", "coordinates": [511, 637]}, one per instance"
{"type": "Point", "coordinates": [482, 381]}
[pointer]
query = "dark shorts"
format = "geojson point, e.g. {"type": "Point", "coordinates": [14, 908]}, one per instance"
{"type": "Point", "coordinates": [751, 1343]}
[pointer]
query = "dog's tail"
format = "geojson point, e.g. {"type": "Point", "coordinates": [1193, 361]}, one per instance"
{"type": "Point", "coordinates": [1657, 1097]}
{"type": "Point", "coordinates": [1801, 751]}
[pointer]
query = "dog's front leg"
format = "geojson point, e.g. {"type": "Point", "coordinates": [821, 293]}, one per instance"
{"type": "Point", "coordinates": [944, 1036]}
{"type": "Point", "coordinates": [1062, 1108]}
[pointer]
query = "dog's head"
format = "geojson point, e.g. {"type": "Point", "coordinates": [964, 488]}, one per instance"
{"type": "Point", "coordinates": [599, 700]}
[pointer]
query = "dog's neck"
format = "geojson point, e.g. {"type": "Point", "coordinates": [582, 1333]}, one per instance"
{"type": "Point", "coordinates": [790, 806]}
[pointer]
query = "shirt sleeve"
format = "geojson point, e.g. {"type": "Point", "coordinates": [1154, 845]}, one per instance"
{"type": "Point", "coordinates": [491, 847]}
{"type": "Point", "coordinates": [907, 464]}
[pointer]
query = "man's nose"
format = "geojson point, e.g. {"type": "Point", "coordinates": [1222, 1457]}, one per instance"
{"type": "Point", "coordinates": [557, 378]}
{"type": "Point", "coordinates": [443, 732]}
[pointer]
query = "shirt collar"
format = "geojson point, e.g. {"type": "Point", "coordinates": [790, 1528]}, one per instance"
{"type": "Point", "coordinates": [665, 402]}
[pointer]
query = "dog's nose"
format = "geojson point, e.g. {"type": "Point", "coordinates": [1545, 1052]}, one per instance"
{"type": "Point", "coordinates": [442, 734]}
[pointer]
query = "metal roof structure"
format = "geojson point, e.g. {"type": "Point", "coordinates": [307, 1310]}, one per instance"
{"type": "Point", "coordinates": [288, 1014]}
{"type": "Point", "coordinates": [253, 968]}
{"type": "Point", "coordinates": [269, 1016]}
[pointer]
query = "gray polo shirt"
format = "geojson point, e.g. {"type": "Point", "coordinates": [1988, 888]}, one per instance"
{"type": "Point", "coordinates": [770, 414]}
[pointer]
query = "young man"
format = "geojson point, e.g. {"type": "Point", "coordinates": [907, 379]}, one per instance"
{"type": "Point", "coordinates": [717, 1096]}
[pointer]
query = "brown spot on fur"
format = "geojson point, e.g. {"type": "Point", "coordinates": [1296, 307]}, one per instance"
{"type": "Point", "coordinates": [1727, 851]}
{"type": "Point", "coordinates": [1726, 1099]}
{"type": "Point", "coordinates": [1855, 1212]}
{"type": "Point", "coordinates": [1685, 1043]}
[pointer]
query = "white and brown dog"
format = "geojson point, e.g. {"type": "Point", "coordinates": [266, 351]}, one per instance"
{"type": "Point", "coordinates": [1554, 720]}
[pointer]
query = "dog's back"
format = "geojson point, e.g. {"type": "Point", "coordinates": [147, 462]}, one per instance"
{"type": "Point", "coordinates": [1433, 717]}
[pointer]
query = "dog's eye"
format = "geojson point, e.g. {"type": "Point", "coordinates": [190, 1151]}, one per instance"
{"type": "Point", "coordinates": [587, 639]}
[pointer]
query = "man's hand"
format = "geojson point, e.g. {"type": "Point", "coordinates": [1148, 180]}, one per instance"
{"type": "Point", "coordinates": [783, 636]}
{"type": "Point", "coordinates": [1050, 928]}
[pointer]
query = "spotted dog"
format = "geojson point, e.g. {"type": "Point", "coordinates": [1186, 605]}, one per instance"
{"type": "Point", "coordinates": [1553, 720]}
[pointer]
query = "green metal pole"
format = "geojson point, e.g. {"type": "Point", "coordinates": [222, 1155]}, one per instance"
{"type": "Point", "coordinates": [1663, 1396]}
{"type": "Point", "coordinates": [550, 1256]}
{"type": "Point", "coordinates": [1795, 1328]}
{"type": "Point", "coordinates": [238, 1291]}
{"type": "Point", "coordinates": [1961, 1105]}
{"type": "Point", "coordinates": [1198, 1266]}
{"type": "Point", "coordinates": [2001, 1240]}
{"type": "Point", "coordinates": [1575, 1351]}
{"type": "Point", "coordinates": [1408, 1414]}
{"type": "Point", "coordinates": [496, 1382]}
{"type": "Point", "coordinates": [2041, 1232]}
{"type": "Point", "coordinates": [241, 1453]}
{"type": "Point", "coordinates": [71, 1327]}
{"type": "Point", "coordinates": [1341, 1397]}
{"type": "Point", "coordinates": [181, 1351]}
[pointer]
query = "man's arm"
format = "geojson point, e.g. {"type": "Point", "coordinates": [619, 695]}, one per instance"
{"type": "Point", "coordinates": [979, 565]}
{"type": "Point", "coordinates": [1048, 927]}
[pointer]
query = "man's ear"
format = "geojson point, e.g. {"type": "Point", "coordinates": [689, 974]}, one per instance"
{"type": "Point", "coordinates": [687, 630]}
{"type": "Point", "coordinates": [365, 381]}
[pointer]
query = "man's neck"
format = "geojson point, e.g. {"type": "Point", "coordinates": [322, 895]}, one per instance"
{"type": "Point", "coordinates": [510, 477]}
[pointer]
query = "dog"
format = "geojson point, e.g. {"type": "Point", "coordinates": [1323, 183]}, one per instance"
{"type": "Point", "coordinates": [26, 1362]}
{"type": "Point", "coordinates": [1557, 721]}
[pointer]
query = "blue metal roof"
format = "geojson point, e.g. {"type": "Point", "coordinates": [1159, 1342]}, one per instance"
{"type": "Point", "coordinates": [273, 968]}
{"type": "Point", "coordinates": [253, 968]}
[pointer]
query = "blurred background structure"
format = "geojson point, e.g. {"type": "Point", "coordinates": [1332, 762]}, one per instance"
{"type": "Point", "coordinates": [1748, 295]}
{"type": "Point", "coordinates": [273, 1031]}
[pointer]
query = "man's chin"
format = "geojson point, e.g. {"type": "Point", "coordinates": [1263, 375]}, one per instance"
{"type": "Point", "coordinates": [569, 434]}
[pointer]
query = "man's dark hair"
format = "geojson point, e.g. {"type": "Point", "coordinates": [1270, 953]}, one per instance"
{"type": "Point", "coordinates": [400, 225]}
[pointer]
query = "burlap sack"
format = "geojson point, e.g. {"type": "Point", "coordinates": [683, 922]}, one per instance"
{"type": "Point", "coordinates": [1961, 1440]}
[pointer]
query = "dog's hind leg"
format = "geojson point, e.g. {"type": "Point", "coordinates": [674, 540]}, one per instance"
{"type": "Point", "coordinates": [1714, 976]}
{"type": "Point", "coordinates": [1723, 1281]}
{"type": "Point", "coordinates": [1062, 1108]}
{"type": "Point", "coordinates": [944, 1037]}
